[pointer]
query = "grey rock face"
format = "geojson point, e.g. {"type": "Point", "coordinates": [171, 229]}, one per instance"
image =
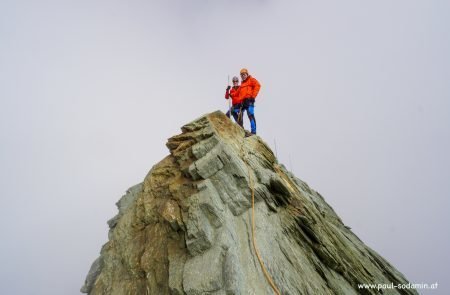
{"type": "Point", "coordinates": [187, 228]}
{"type": "Point", "coordinates": [92, 276]}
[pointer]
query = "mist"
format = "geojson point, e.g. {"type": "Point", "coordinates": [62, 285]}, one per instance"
{"type": "Point", "coordinates": [355, 95]}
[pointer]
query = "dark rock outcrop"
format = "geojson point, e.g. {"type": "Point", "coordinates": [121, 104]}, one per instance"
{"type": "Point", "coordinates": [187, 228]}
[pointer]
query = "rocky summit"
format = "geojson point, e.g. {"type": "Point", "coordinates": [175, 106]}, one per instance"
{"type": "Point", "coordinates": [187, 228]}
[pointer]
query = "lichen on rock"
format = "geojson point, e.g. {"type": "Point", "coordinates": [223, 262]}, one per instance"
{"type": "Point", "coordinates": [186, 229]}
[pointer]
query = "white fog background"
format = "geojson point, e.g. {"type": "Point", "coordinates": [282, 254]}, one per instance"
{"type": "Point", "coordinates": [356, 95]}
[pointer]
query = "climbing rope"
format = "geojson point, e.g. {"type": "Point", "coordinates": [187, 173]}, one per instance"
{"type": "Point", "coordinates": [252, 188]}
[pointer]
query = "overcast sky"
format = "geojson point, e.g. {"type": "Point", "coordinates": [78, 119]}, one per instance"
{"type": "Point", "coordinates": [356, 95]}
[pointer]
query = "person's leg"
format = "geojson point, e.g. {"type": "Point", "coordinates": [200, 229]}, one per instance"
{"type": "Point", "coordinates": [239, 115]}
{"type": "Point", "coordinates": [228, 114]}
{"type": "Point", "coordinates": [235, 112]}
{"type": "Point", "coordinates": [251, 116]}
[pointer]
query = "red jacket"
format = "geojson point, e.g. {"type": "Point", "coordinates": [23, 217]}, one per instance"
{"type": "Point", "coordinates": [234, 93]}
{"type": "Point", "coordinates": [249, 88]}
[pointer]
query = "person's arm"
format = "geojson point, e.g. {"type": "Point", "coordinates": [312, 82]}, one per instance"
{"type": "Point", "coordinates": [256, 87]}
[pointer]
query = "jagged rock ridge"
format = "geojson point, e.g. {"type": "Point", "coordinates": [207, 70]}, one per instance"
{"type": "Point", "coordinates": [186, 229]}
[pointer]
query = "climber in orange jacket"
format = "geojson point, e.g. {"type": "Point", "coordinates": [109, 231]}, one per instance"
{"type": "Point", "coordinates": [233, 92]}
{"type": "Point", "coordinates": [248, 91]}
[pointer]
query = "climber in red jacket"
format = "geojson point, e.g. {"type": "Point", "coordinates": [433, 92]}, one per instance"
{"type": "Point", "coordinates": [248, 91]}
{"type": "Point", "coordinates": [233, 92]}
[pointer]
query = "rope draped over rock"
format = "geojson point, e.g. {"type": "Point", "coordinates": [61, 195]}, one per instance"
{"type": "Point", "coordinates": [255, 247]}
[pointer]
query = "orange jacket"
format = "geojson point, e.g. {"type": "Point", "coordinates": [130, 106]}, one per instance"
{"type": "Point", "coordinates": [249, 88]}
{"type": "Point", "coordinates": [234, 93]}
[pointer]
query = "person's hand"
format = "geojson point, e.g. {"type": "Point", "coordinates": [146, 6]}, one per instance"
{"type": "Point", "coordinates": [228, 88]}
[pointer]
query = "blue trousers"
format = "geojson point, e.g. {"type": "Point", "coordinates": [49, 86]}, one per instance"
{"type": "Point", "coordinates": [238, 113]}
{"type": "Point", "coordinates": [249, 106]}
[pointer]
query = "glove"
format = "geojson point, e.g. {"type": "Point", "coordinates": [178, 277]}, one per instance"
{"type": "Point", "coordinates": [228, 88]}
